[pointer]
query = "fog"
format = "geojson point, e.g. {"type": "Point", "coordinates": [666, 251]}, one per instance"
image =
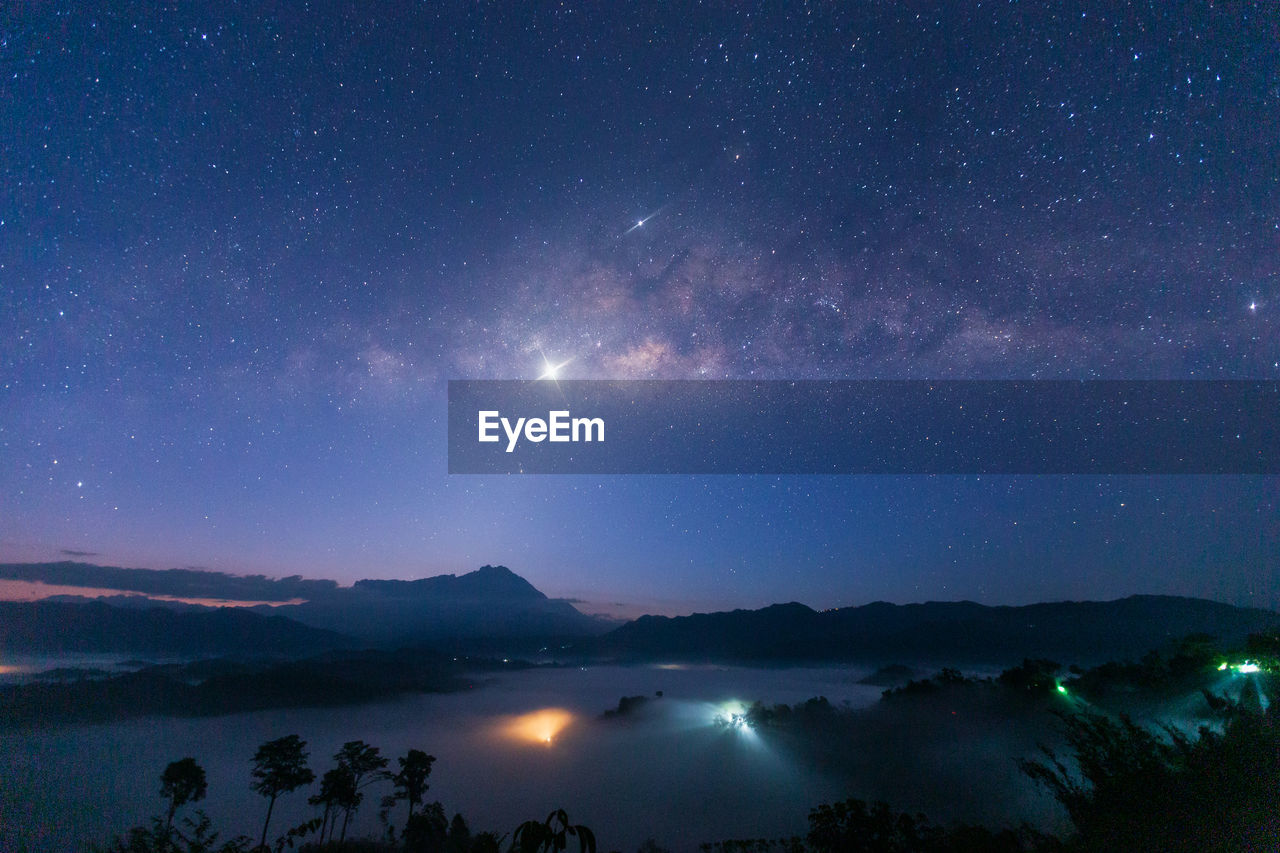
{"type": "Point", "coordinates": [515, 747]}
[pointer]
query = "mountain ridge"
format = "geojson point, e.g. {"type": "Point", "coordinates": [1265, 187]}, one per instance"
{"type": "Point", "coordinates": [1079, 631]}
{"type": "Point", "coordinates": [95, 626]}
{"type": "Point", "coordinates": [495, 603]}
{"type": "Point", "coordinates": [489, 602]}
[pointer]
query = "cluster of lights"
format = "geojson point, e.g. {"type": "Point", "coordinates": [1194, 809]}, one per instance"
{"type": "Point", "coordinates": [1243, 668]}
{"type": "Point", "coordinates": [732, 716]}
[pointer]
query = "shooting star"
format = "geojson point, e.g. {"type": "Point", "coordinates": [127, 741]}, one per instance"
{"type": "Point", "coordinates": [641, 222]}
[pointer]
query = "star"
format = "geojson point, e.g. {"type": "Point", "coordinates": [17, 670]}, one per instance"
{"type": "Point", "coordinates": [552, 371]}
{"type": "Point", "coordinates": [641, 222]}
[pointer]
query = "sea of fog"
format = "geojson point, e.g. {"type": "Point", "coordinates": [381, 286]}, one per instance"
{"type": "Point", "coordinates": [512, 747]}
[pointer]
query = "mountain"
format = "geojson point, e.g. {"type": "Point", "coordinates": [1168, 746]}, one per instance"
{"type": "Point", "coordinates": [952, 632]}
{"type": "Point", "coordinates": [490, 602]}
{"type": "Point", "coordinates": [50, 626]}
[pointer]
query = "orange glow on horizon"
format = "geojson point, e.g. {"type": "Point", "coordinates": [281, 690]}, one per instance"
{"type": "Point", "coordinates": [17, 590]}
{"type": "Point", "coordinates": [541, 726]}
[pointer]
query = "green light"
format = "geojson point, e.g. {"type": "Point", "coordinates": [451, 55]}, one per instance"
{"type": "Point", "coordinates": [1222, 666]}
{"type": "Point", "coordinates": [1062, 690]}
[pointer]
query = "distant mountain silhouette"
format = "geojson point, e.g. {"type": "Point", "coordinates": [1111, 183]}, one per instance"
{"type": "Point", "coordinates": [1087, 631]}
{"type": "Point", "coordinates": [492, 601]}
{"type": "Point", "coordinates": [223, 686]}
{"type": "Point", "coordinates": [51, 626]}
{"type": "Point", "coordinates": [494, 604]}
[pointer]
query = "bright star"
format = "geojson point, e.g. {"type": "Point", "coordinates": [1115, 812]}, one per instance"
{"type": "Point", "coordinates": [641, 222]}
{"type": "Point", "coordinates": [552, 371]}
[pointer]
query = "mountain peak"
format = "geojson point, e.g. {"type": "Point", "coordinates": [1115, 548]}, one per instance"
{"type": "Point", "coordinates": [486, 582]}
{"type": "Point", "coordinates": [497, 580]}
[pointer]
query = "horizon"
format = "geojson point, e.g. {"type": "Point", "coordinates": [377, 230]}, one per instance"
{"type": "Point", "coordinates": [12, 590]}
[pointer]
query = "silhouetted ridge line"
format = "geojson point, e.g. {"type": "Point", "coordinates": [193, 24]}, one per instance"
{"type": "Point", "coordinates": [953, 631]}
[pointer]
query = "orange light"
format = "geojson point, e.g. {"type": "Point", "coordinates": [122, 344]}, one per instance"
{"type": "Point", "coordinates": [541, 726]}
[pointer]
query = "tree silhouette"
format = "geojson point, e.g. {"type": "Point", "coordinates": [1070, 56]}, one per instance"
{"type": "Point", "coordinates": [280, 766]}
{"type": "Point", "coordinates": [411, 780]}
{"type": "Point", "coordinates": [426, 831]}
{"type": "Point", "coordinates": [182, 782]}
{"type": "Point", "coordinates": [459, 837]}
{"type": "Point", "coordinates": [1134, 789]}
{"type": "Point", "coordinates": [551, 835]}
{"type": "Point", "coordinates": [337, 787]}
{"type": "Point", "coordinates": [364, 763]}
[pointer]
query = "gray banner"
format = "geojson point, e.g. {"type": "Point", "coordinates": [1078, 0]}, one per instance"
{"type": "Point", "coordinates": [864, 427]}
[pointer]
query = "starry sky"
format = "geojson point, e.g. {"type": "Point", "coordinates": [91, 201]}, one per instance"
{"type": "Point", "coordinates": [243, 246]}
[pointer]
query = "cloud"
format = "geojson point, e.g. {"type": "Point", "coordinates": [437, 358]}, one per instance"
{"type": "Point", "coordinates": [181, 583]}
{"type": "Point", "coordinates": [72, 553]}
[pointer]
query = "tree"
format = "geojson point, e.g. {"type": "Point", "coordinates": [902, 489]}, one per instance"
{"type": "Point", "coordinates": [364, 763]}
{"type": "Point", "coordinates": [337, 788]}
{"type": "Point", "coordinates": [280, 766]}
{"type": "Point", "coordinates": [1033, 676]}
{"type": "Point", "coordinates": [854, 825]}
{"type": "Point", "coordinates": [458, 839]}
{"type": "Point", "coordinates": [199, 838]}
{"type": "Point", "coordinates": [411, 780]}
{"type": "Point", "coordinates": [551, 835]}
{"type": "Point", "coordinates": [182, 782]}
{"type": "Point", "coordinates": [426, 831]}
{"type": "Point", "coordinates": [1134, 789]}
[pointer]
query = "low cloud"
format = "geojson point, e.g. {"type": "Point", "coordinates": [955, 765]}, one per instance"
{"type": "Point", "coordinates": [179, 583]}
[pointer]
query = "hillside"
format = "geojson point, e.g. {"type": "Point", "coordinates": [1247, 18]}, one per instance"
{"type": "Point", "coordinates": [1088, 631]}
{"type": "Point", "coordinates": [50, 627]}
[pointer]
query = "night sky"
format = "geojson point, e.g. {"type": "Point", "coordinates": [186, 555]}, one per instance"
{"type": "Point", "coordinates": [244, 245]}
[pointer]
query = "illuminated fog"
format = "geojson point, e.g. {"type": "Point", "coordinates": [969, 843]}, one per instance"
{"type": "Point", "coordinates": [508, 750]}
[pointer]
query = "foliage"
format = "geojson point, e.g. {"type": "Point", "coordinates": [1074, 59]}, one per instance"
{"type": "Point", "coordinates": [946, 677]}
{"type": "Point", "coordinates": [854, 826]}
{"type": "Point", "coordinates": [752, 845]}
{"type": "Point", "coordinates": [361, 764]}
{"type": "Point", "coordinates": [182, 782]}
{"type": "Point", "coordinates": [426, 831]}
{"type": "Point", "coordinates": [627, 706]}
{"type": "Point", "coordinates": [337, 791]}
{"type": "Point", "coordinates": [1134, 789]}
{"type": "Point", "coordinates": [280, 766]}
{"type": "Point", "coordinates": [409, 784]}
{"type": "Point", "coordinates": [295, 834]}
{"type": "Point", "coordinates": [196, 835]}
{"type": "Point", "coordinates": [1033, 676]}
{"type": "Point", "coordinates": [550, 835]}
